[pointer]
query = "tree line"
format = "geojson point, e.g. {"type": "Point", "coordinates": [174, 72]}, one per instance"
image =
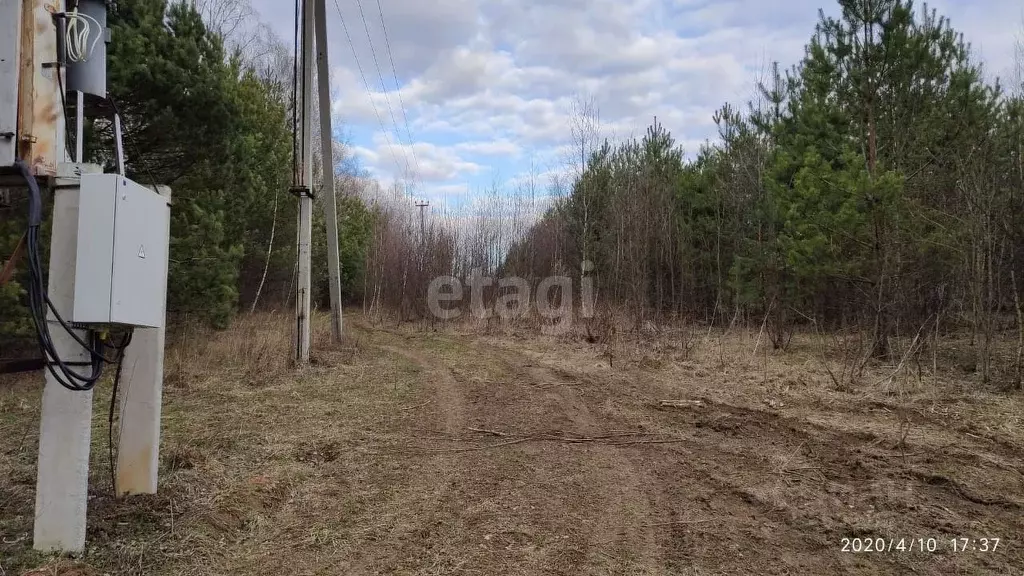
{"type": "Point", "coordinates": [207, 109]}
{"type": "Point", "coordinates": [876, 185]}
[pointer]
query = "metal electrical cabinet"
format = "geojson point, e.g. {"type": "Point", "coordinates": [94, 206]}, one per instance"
{"type": "Point", "coordinates": [121, 258]}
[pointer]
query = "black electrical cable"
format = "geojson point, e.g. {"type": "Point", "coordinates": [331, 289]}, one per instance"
{"type": "Point", "coordinates": [64, 107]}
{"type": "Point", "coordinates": [49, 303]}
{"type": "Point", "coordinates": [40, 304]}
{"type": "Point", "coordinates": [295, 99]}
{"type": "Point", "coordinates": [110, 415]}
{"type": "Point", "coordinates": [56, 366]}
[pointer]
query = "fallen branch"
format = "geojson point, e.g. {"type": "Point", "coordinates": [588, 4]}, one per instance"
{"type": "Point", "coordinates": [681, 404]}
{"type": "Point", "coordinates": [670, 441]}
{"type": "Point", "coordinates": [477, 448]}
{"type": "Point", "coordinates": [553, 438]}
{"type": "Point", "coordinates": [675, 523]}
{"type": "Point", "coordinates": [790, 470]}
{"type": "Point", "coordinates": [491, 432]}
{"type": "Point", "coordinates": [8, 269]}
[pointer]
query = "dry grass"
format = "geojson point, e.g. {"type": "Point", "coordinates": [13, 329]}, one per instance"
{"type": "Point", "coordinates": [257, 346]}
{"type": "Point", "coordinates": [231, 405]}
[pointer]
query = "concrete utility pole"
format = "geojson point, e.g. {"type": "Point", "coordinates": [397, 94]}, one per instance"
{"type": "Point", "coordinates": [33, 68]}
{"type": "Point", "coordinates": [304, 190]}
{"type": "Point", "coordinates": [138, 440]}
{"type": "Point", "coordinates": [314, 35]}
{"type": "Point", "coordinates": [65, 416]}
{"type": "Point", "coordinates": [65, 427]}
{"type": "Point", "coordinates": [422, 205]}
{"type": "Point", "coordinates": [327, 151]}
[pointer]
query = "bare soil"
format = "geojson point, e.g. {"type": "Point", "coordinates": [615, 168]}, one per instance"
{"type": "Point", "coordinates": [421, 452]}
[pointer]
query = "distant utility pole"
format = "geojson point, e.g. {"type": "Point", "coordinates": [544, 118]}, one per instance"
{"type": "Point", "coordinates": [422, 204]}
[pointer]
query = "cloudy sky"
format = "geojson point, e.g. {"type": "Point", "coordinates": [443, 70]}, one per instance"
{"type": "Point", "coordinates": [484, 87]}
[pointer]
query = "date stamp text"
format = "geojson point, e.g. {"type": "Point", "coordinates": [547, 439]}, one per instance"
{"type": "Point", "coordinates": [863, 545]}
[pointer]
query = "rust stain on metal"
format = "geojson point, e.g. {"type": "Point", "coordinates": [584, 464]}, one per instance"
{"type": "Point", "coordinates": [39, 107]}
{"type": "Point", "coordinates": [46, 105]}
{"type": "Point", "coordinates": [26, 87]}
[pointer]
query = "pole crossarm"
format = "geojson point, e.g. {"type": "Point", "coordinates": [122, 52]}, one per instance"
{"type": "Point", "coordinates": [302, 192]}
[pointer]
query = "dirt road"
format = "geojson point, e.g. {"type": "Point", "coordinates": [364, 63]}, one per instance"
{"type": "Point", "coordinates": [546, 460]}
{"type": "Point", "coordinates": [427, 453]}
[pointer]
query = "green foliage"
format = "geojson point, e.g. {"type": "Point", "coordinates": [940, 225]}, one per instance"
{"type": "Point", "coordinates": [215, 130]}
{"type": "Point", "coordinates": [356, 230]}
{"type": "Point", "coordinates": [203, 266]}
{"type": "Point", "coordinates": [15, 321]}
{"type": "Point", "coordinates": [880, 183]}
{"type": "Point", "coordinates": [14, 318]}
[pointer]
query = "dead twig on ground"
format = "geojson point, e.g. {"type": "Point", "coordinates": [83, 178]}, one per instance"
{"type": "Point", "coordinates": [1019, 376]}
{"type": "Point", "coordinates": [681, 404]}
{"type": "Point", "coordinates": [670, 441]}
{"type": "Point", "coordinates": [915, 344]}
{"type": "Point", "coordinates": [675, 523]}
{"type": "Point", "coordinates": [904, 432]}
{"type": "Point", "coordinates": [602, 439]}
{"type": "Point", "coordinates": [491, 432]}
{"type": "Point", "coordinates": [478, 448]}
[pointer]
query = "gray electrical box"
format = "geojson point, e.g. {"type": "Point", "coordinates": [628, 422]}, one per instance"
{"type": "Point", "coordinates": [10, 46]}
{"type": "Point", "coordinates": [90, 75]}
{"type": "Point", "coordinates": [121, 258]}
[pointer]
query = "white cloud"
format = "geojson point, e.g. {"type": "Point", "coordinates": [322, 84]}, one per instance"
{"type": "Point", "coordinates": [492, 148]}
{"type": "Point", "coordinates": [430, 163]}
{"type": "Point", "coordinates": [482, 81]}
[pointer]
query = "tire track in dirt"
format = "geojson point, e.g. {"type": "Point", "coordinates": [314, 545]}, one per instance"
{"type": "Point", "coordinates": [738, 483]}
{"type": "Point", "coordinates": [834, 483]}
{"type": "Point", "coordinates": [797, 486]}
{"type": "Point", "coordinates": [541, 507]}
{"type": "Point", "coordinates": [593, 497]}
{"type": "Point", "coordinates": [443, 385]}
{"type": "Point", "coordinates": [476, 509]}
{"type": "Point", "coordinates": [421, 504]}
{"type": "Point", "coordinates": [707, 518]}
{"type": "Point", "coordinates": [620, 513]}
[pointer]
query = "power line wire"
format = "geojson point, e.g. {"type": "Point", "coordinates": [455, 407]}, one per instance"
{"type": "Point", "coordinates": [295, 97]}
{"type": "Point", "coordinates": [398, 88]}
{"type": "Point", "coordinates": [369, 93]}
{"type": "Point", "coordinates": [380, 75]}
